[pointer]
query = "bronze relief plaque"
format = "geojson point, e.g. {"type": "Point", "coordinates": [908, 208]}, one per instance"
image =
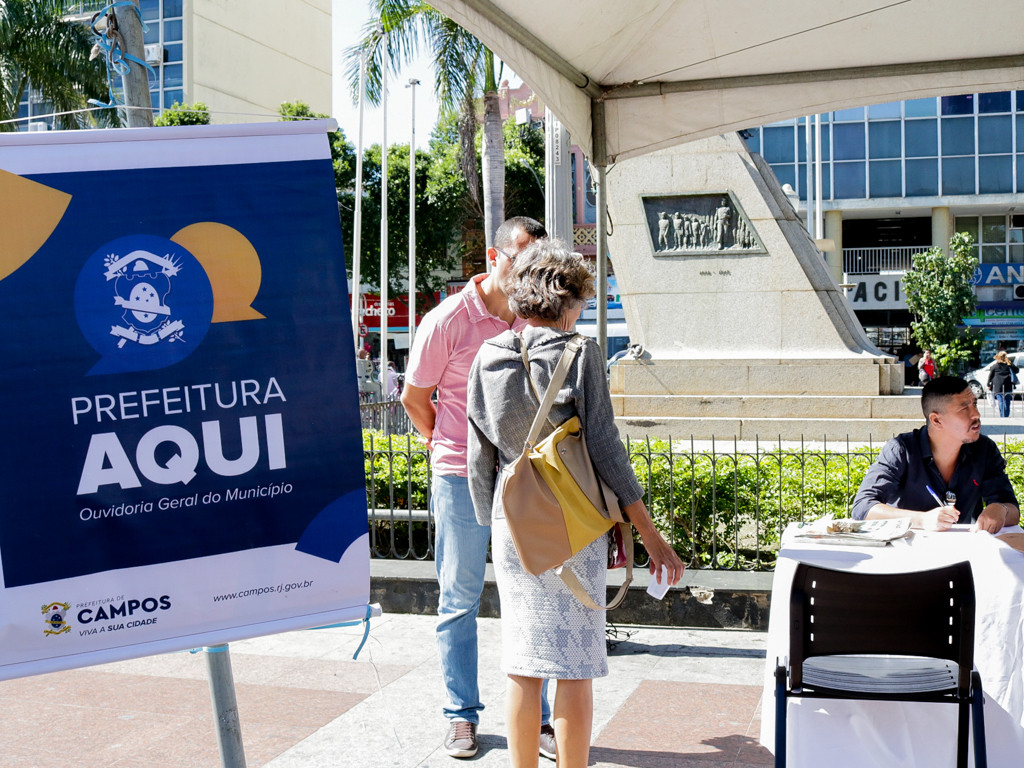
{"type": "Point", "coordinates": [699, 225]}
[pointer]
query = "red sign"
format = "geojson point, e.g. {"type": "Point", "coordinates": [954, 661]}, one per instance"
{"type": "Point", "coordinates": [398, 311]}
{"type": "Point", "coordinates": [363, 329]}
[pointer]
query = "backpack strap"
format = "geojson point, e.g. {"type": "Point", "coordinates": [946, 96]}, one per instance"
{"type": "Point", "coordinates": [557, 379]}
{"type": "Point", "coordinates": [580, 593]}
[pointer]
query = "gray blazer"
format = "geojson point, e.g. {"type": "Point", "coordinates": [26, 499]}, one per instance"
{"type": "Point", "coordinates": [501, 406]}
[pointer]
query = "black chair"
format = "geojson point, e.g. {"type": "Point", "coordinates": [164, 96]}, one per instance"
{"type": "Point", "coordinates": [890, 637]}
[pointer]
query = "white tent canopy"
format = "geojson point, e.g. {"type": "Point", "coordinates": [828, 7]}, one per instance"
{"type": "Point", "coordinates": [627, 78]}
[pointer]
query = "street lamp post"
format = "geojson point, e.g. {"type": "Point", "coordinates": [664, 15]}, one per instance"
{"type": "Point", "coordinates": [413, 82]}
{"type": "Point", "coordinates": [357, 224]}
{"type": "Point", "coordinates": [384, 216]}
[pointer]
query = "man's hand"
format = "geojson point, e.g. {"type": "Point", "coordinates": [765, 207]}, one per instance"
{"type": "Point", "coordinates": [992, 518]}
{"type": "Point", "coordinates": [940, 518]}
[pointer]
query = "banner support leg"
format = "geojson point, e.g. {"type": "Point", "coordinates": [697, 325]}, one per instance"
{"type": "Point", "coordinates": [225, 708]}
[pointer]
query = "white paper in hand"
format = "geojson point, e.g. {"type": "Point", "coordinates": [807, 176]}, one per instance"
{"type": "Point", "coordinates": [658, 587]}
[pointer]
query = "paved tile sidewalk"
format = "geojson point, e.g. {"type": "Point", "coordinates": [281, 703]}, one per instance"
{"type": "Point", "coordinates": [675, 697]}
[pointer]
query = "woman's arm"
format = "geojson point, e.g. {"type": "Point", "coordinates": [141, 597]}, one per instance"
{"type": "Point", "coordinates": [661, 551]}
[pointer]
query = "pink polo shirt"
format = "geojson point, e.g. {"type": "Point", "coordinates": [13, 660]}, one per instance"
{"type": "Point", "coordinates": [446, 345]}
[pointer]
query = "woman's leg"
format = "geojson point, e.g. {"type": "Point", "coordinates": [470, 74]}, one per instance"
{"type": "Point", "coordinates": [522, 711]}
{"type": "Point", "coordinates": [573, 719]}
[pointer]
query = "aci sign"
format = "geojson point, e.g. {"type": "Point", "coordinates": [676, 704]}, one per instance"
{"type": "Point", "coordinates": [877, 292]}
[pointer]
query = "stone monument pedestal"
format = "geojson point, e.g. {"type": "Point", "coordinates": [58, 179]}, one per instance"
{"type": "Point", "coordinates": [744, 331]}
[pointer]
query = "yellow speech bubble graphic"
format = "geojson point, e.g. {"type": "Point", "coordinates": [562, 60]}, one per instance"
{"type": "Point", "coordinates": [29, 212]}
{"type": "Point", "coordinates": [232, 265]}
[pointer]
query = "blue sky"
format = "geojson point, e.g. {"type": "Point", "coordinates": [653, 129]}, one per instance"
{"type": "Point", "coordinates": [349, 17]}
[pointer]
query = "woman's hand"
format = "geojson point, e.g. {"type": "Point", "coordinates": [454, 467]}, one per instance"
{"type": "Point", "coordinates": [661, 553]}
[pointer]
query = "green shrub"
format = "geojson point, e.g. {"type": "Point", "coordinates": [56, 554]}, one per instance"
{"type": "Point", "coordinates": [390, 481]}
{"type": "Point", "coordinates": [725, 510]}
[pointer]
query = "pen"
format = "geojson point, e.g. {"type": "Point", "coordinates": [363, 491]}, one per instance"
{"type": "Point", "coordinates": [934, 495]}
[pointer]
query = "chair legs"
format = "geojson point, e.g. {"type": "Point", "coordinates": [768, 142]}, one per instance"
{"type": "Point", "coordinates": [963, 727]}
{"type": "Point", "coordinates": [780, 716]}
{"type": "Point", "coordinates": [978, 716]}
{"type": "Point", "coordinates": [969, 713]}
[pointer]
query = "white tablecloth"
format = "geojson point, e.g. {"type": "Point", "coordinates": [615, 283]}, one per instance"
{"type": "Point", "coordinates": [855, 734]}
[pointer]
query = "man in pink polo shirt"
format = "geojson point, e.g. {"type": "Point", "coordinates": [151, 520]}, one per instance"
{"type": "Point", "coordinates": [446, 345]}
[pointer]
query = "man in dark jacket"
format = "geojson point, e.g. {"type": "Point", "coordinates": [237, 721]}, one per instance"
{"type": "Point", "coordinates": [944, 473]}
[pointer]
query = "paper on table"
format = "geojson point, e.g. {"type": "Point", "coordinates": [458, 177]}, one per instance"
{"type": "Point", "coordinates": [864, 533]}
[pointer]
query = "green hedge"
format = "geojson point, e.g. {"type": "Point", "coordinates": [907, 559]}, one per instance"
{"type": "Point", "coordinates": [719, 511]}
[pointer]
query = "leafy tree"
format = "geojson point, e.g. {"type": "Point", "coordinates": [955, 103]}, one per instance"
{"type": "Point", "coordinates": [524, 170]}
{"type": "Point", "coordinates": [463, 67]}
{"type": "Point", "coordinates": [438, 224]}
{"type": "Point", "coordinates": [39, 45]}
{"type": "Point", "coordinates": [939, 295]}
{"type": "Point", "coordinates": [343, 154]}
{"type": "Point", "coordinates": [184, 114]}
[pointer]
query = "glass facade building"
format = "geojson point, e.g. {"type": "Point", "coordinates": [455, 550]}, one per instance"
{"type": "Point", "coordinates": [893, 176]}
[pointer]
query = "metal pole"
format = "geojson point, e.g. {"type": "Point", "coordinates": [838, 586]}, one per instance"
{"type": "Point", "coordinates": [357, 226]}
{"type": "Point", "coordinates": [599, 168]}
{"type": "Point", "coordinates": [819, 227]}
{"type": "Point", "coordinates": [602, 259]}
{"type": "Point", "coordinates": [384, 217]}
{"type": "Point", "coordinates": [413, 82]}
{"type": "Point", "coordinates": [225, 707]}
{"type": "Point", "coordinates": [809, 186]}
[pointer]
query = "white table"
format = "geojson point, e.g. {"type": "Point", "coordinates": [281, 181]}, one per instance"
{"type": "Point", "coordinates": [840, 733]}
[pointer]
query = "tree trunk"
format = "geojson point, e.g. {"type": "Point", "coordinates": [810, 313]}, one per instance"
{"type": "Point", "coordinates": [467, 146]}
{"type": "Point", "coordinates": [493, 161]}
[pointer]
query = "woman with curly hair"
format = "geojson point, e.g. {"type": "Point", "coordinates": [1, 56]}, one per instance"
{"type": "Point", "coordinates": [546, 632]}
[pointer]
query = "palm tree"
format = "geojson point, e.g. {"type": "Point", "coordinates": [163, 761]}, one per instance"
{"type": "Point", "coordinates": [463, 67]}
{"type": "Point", "coordinates": [41, 45]}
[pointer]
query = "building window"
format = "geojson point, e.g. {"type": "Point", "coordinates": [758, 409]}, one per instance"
{"type": "Point", "coordinates": [922, 138]}
{"type": "Point", "coordinates": [994, 240]}
{"type": "Point", "coordinates": [994, 102]}
{"type": "Point", "coordinates": [885, 178]}
{"type": "Point", "coordinates": [884, 139]}
{"type": "Point", "coordinates": [995, 174]}
{"type": "Point", "coordinates": [922, 177]}
{"type": "Point", "coordinates": [995, 134]}
{"type": "Point", "coordinates": [958, 105]}
{"type": "Point", "coordinates": [958, 176]}
{"type": "Point", "coordinates": [849, 180]}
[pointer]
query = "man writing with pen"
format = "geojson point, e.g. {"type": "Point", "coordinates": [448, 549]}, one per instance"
{"type": "Point", "coordinates": [944, 473]}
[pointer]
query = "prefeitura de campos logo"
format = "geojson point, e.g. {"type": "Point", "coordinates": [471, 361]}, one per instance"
{"type": "Point", "coordinates": [54, 616]}
{"type": "Point", "coordinates": [143, 302]}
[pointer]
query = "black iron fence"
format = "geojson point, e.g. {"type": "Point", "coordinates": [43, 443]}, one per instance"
{"type": "Point", "coordinates": [721, 505]}
{"type": "Point", "coordinates": [388, 417]}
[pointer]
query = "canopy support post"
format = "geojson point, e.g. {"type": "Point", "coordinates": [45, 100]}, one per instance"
{"type": "Point", "coordinates": [599, 168]}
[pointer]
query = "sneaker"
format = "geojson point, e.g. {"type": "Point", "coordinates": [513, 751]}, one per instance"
{"type": "Point", "coordinates": [461, 739]}
{"type": "Point", "coordinates": [547, 741]}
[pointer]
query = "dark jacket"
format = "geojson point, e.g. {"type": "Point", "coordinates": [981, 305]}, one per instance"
{"type": "Point", "coordinates": [999, 380]}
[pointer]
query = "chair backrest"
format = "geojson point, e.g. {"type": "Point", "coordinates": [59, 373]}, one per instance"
{"type": "Point", "coordinates": [922, 613]}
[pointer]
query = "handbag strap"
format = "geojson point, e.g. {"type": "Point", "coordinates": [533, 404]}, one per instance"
{"type": "Point", "coordinates": [557, 379]}
{"type": "Point", "coordinates": [573, 583]}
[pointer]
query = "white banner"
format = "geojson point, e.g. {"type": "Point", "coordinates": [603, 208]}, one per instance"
{"type": "Point", "coordinates": [181, 456]}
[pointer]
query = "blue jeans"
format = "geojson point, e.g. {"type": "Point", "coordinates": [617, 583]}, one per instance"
{"type": "Point", "coordinates": [1004, 403]}
{"type": "Point", "coordinates": [460, 556]}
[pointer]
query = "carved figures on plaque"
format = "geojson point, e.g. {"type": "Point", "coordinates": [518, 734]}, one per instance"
{"type": "Point", "coordinates": [693, 224]}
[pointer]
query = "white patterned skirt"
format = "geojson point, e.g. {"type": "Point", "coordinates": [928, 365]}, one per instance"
{"type": "Point", "coordinates": [545, 631]}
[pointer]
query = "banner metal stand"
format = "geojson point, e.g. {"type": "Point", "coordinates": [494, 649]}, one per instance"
{"type": "Point", "coordinates": [225, 707]}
